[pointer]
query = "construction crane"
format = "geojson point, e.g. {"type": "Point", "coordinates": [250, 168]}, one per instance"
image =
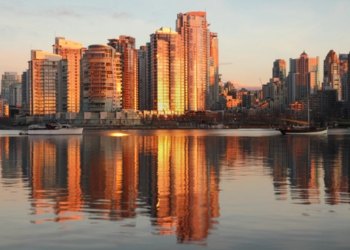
{"type": "Point", "coordinates": [260, 81]}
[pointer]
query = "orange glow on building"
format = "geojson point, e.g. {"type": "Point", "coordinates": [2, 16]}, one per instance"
{"type": "Point", "coordinates": [69, 88]}
{"type": "Point", "coordinates": [44, 70]}
{"type": "Point", "coordinates": [101, 79]}
{"type": "Point", "coordinates": [125, 45]}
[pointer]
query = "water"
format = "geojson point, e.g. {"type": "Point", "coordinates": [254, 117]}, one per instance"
{"type": "Point", "coordinates": [179, 189]}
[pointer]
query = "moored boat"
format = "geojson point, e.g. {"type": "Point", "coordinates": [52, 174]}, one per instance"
{"type": "Point", "coordinates": [303, 131]}
{"type": "Point", "coordinates": [54, 129]}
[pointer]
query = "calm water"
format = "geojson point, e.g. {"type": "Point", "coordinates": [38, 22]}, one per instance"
{"type": "Point", "coordinates": [179, 189]}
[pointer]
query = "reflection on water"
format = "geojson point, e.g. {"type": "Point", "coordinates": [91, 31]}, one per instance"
{"type": "Point", "coordinates": [172, 178]}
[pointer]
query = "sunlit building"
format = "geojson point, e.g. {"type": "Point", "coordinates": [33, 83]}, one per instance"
{"type": "Point", "coordinates": [6, 80]}
{"type": "Point", "coordinates": [193, 28]}
{"type": "Point", "coordinates": [331, 71]}
{"type": "Point", "coordinates": [214, 70]}
{"type": "Point", "coordinates": [68, 91]}
{"type": "Point", "coordinates": [44, 69]}
{"type": "Point", "coordinates": [167, 69]}
{"type": "Point", "coordinates": [125, 45]}
{"type": "Point", "coordinates": [279, 69]}
{"type": "Point", "coordinates": [101, 79]}
{"type": "Point", "coordinates": [303, 76]}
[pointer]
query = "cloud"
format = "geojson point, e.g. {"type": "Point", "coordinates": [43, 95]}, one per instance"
{"type": "Point", "coordinates": [122, 15]}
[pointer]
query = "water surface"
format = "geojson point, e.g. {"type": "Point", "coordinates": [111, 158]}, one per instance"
{"type": "Point", "coordinates": [183, 189]}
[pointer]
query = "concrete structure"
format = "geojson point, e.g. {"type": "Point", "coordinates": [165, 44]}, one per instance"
{"type": "Point", "coordinates": [68, 89]}
{"type": "Point", "coordinates": [303, 75]}
{"type": "Point", "coordinates": [125, 45]}
{"type": "Point", "coordinates": [15, 94]}
{"type": "Point", "coordinates": [7, 79]}
{"type": "Point", "coordinates": [44, 69]}
{"type": "Point", "coordinates": [167, 72]}
{"type": "Point", "coordinates": [331, 70]}
{"type": "Point", "coordinates": [101, 79]}
{"type": "Point", "coordinates": [142, 78]}
{"type": "Point", "coordinates": [193, 28]}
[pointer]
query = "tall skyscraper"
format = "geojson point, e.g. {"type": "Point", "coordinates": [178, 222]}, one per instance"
{"type": "Point", "coordinates": [279, 69]}
{"type": "Point", "coordinates": [193, 28]}
{"type": "Point", "coordinates": [331, 70]}
{"type": "Point", "coordinates": [167, 71]}
{"type": "Point", "coordinates": [303, 76]}
{"type": "Point", "coordinates": [214, 70]}
{"type": "Point", "coordinates": [44, 69]}
{"type": "Point", "coordinates": [101, 79]}
{"type": "Point", "coordinates": [7, 79]}
{"type": "Point", "coordinates": [142, 78]}
{"type": "Point", "coordinates": [15, 94]}
{"type": "Point", "coordinates": [343, 60]}
{"type": "Point", "coordinates": [68, 91]}
{"type": "Point", "coordinates": [126, 46]}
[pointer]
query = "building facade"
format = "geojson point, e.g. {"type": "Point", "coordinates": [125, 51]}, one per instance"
{"type": "Point", "coordinates": [15, 94]}
{"type": "Point", "coordinates": [193, 28]}
{"type": "Point", "coordinates": [68, 89]}
{"type": "Point", "coordinates": [44, 69]}
{"type": "Point", "coordinates": [101, 79]}
{"type": "Point", "coordinates": [167, 71]}
{"type": "Point", "coordinates": [303, 78]}
{"type": "Point", "coordinates": [331, 71]}
{"type": "Point", "coordinates": [142, 78]}
{"type": "Point", "coordinates": [7, 79]}
{"type": "Point", "coordinates": [214, 70]}
{"type": "Point", "coordinates": [125, 45]}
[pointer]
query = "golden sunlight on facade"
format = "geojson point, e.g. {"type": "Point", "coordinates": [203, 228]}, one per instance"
{"type": "Point", "coordinates": [68, 98]}
{"type": "Point", "coordinates": [43, 79]}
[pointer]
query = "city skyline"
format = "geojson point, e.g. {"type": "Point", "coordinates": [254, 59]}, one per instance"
{"type": "Point", "coordinates": [28, 26]}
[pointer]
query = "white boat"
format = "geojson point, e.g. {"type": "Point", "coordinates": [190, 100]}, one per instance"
{"type": "Point", "coordinates": [54, 129]}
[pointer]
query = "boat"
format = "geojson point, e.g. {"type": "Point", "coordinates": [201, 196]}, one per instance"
{"type": "Point", "coordinates": [306, 129]}
{"type": "Point", "coordinates": [54, 129]}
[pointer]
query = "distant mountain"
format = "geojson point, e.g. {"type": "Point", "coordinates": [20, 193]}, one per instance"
{"type": "Point", "coordinates": [239, 86]}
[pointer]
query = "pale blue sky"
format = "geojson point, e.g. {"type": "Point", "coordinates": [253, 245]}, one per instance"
{"type": "Point", "coordinates": [252, 33]}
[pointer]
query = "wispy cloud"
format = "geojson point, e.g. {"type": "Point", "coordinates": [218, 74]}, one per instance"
{"type": "Point", "coordinates": [122, 15]}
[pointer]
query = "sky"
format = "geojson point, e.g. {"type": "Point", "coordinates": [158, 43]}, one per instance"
{"type": "Point", "coordinates": [252, 33]}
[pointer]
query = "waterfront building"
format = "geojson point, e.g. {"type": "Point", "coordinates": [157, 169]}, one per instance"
{"type": "Point", "coordinates": [303, 75]}
{"type": "Point", "coordinates": [44, 69]}
{"type": "Point", "coordinates": [214, 70]}
{"type": "Point", "coordinates": [68, 89]}
{"type": "Point", "coordinates": [7, 79]}
{"type": "Point", "coordinates": [167, 71]}
{"type": "Point", "coordinates": [193, 28]}
{"type": "Point", "coordinates": [125, 45]}
{"type": "Point", "coordinates": [101, 79]}
{"type": "Point", "coordinates": [15, 94]}
{"type": "Point", "coordinates": [142, 78]}
{"type": "Point", "coordinates": [345, 87]}
{"type": "Point", "coordinates": [343, 66]}
{"type": "Point", "coordinates": [331, 70]}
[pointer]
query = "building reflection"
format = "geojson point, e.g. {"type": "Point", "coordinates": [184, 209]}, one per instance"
{"type": "Point", "coordinates": [172, 179]}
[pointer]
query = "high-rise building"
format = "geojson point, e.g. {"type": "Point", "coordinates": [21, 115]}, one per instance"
{"type": "Point", "coordinates": [25, 95]}
{"type": "Point", "coordinates": [214, 70]}
{"type": "Point", "coordinates": [193, 28]}
{"type": "Point", "coordinates": [44, 69]}
{"type": "Point", "coordinates": [7, 79]}
{"type": "Point", "coordinates": [343, 60]}
{"type": "Point", "coordinates": [68, 91]}
{"type": "Point", "coordinates": [279, 69]}
{"type": "Point", "coordinates": [331, 70]}
{"type": "Point", "coordinates": [101, 79]}
{"type": "Point", "coordinates": [167, 71]}
{"type": "Point", "coordinates": [303, 78]}
{"type": "Point", "coordinates": [125, 45]}
{"type": "Point", "coordinates": [15, 94]}
{"type": "Point", "coordinates": [142, 78]}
